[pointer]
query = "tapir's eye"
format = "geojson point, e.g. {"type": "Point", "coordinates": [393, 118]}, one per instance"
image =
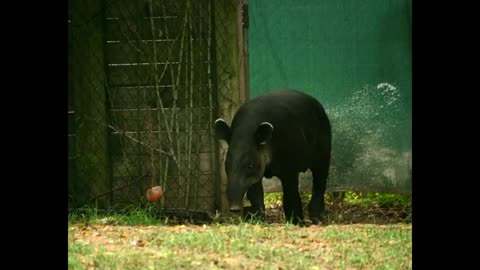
{"type": "Point", "coordinates": [250, 165]}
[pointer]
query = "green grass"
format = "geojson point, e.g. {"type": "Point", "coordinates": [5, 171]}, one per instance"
{"type": "Point", "coordinates": [140, 241]}
{"type": "Point", "coordinates": [137, 216]}
{"type": "Point", "coordinates": [380, 199]}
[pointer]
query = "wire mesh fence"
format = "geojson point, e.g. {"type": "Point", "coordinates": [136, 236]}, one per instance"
{"type": "Point", "coordinates": [144, 89]}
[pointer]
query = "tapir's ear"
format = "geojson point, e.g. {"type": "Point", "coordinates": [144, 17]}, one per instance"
{"type": "Point", "coordinates": [222, 130]}
{"type": "Point", "coordinates": [263, 133]}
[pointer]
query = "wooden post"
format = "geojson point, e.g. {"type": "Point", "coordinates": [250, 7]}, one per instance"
{"type": "Point", "coordinates": [88, 82]}
{"type": "Point", "coordinates": [230, 73]}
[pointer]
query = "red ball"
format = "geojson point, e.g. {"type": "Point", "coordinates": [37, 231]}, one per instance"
{"type": "Point", "coordinates": [154, 193]}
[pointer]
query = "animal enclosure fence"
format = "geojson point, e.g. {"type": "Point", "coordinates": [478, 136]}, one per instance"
{"type": "Point", "coordinates": [146, 79]}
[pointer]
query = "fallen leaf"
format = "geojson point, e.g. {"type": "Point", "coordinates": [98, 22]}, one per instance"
{"type": "Point", "coordinates": [138, 243]}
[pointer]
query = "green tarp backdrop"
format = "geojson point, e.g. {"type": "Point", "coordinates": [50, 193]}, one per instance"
{"type": "Point", "coordinates": [355, 58]}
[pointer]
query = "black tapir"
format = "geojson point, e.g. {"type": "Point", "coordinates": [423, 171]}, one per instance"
{"type": "Point", "coordinates": [280, 133]}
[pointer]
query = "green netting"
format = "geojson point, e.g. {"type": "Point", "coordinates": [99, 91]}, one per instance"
{"type": "Point", "coordinates": [355, 57]}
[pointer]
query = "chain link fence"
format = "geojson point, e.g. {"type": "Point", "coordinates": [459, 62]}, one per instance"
{"type": "Point", "coordinates": [145, 81]}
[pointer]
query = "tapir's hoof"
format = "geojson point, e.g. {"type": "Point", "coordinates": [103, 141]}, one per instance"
{"type": "Point", "coordinates": [296, 221]}
{"type": "Point", "coordinates": [301, 224]}
{"type": "Point", "coordinates": [321, 219]}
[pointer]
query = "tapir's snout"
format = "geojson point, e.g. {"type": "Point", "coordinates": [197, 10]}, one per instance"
{"type": "Point", "coordinates": [235, 194]}
{"type": "Point", "coordinates": [235, 208]}
{"type": "Point", "coordinates": [236, 204]}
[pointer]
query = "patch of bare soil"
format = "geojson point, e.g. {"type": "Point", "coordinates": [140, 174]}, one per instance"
{"type": "Point", "coordinates": [350, 214]}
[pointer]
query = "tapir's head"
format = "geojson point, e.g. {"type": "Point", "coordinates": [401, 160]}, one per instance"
{"type": "Point", "coordinates": [247, 157]}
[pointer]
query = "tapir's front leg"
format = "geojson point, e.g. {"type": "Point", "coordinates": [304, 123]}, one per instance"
{"type": "Point", "coordinates": [255, 196]}
{"type": "Point", "coordinates": [292, 203]}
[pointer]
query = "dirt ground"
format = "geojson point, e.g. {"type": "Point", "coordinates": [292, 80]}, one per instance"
{"type": "Point", "coordinates": [351, 215]}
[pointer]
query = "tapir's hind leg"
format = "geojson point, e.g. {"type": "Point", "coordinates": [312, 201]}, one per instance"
{"type": "Point", "coordinates": [316, 206]}
{"type": "Point", "coordinates": [292, 203]}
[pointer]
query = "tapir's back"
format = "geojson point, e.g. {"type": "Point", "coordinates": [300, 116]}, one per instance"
{"type": "Point", "coordinates": [301, 126]}
{"type": "Point", "coordinates": [280, 106]}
